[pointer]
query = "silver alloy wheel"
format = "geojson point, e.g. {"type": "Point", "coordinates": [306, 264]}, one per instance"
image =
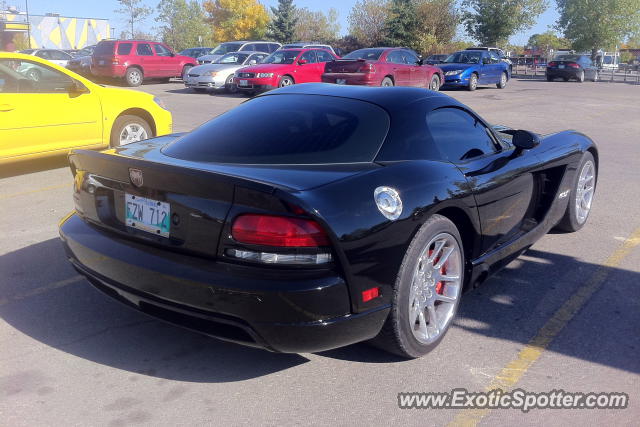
{"type": "Point", "coordinates": [133, 132]}
{"type": "Point", "coordinates": [435, 83]}
{"type": "Point", "coordinates": [135, 77]}
{"type": "Point", "coordinates": [286, 81]}
{"type": "Point", "coordinates": [435, 288]}
{"type": "Point", "coordinates": [584, 191]}
{"type": "Point", "coordinates": [473, 84]}
{"type": "Point", "coordinates": [503, 80]}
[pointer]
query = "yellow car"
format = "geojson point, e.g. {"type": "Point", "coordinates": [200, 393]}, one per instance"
{"type": "Point", "coordinates": [46, 109]}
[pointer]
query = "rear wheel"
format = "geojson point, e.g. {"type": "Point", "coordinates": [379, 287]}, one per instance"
{"type": "Point", "coordinates": [503, 81]}
{"type": "Point", "coordinates": [34, 74]}
{"type": "Point", "coordinates": [580, 196]}
{"type": "Point", "coordinates": [386, 82]}
{"type": "Point", "coordinates": [127, 129]}
{"type": "Point", "coordinates": [427, 291]}
{"type": "Point", "coordinates": [134, 77]}
{"type": "Point", "coordinates": [473, 82]}
{"type": "Point", "coordinates": [435, 83]}
{"type": "Point", "coordinates": [285, 81]}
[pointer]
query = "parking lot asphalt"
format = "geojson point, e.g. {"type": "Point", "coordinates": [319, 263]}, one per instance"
{"type": "Point", "coordinates": [565, 315]}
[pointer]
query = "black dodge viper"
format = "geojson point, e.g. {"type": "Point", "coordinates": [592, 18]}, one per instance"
{"type": "Point", "coordinates": [316, 216]}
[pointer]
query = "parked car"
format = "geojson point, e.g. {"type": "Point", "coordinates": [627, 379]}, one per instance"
{"type": "Point", "coordinates": [63, 110]}
{"type": "Point", "coordinates": [56, 56]}
{"type": "Point", "coordinates": [219, 75]}
{"type": "Point", "coordinates": [435, 59]}
{"type": "Point", "coordinates": [577, 67]}
{"type": "Point", "coordinates": [244, 46]}
{"type": "Point", "coordinates": [284, 68]}
{"type": "Point", "coordinates": [470, 68]}
{"type": "Point", "coordinates": [81, 63]}
{"type": "Point", "coordinates": [383, 67]}
{"type": "Point", "coordinates": [309, 45]}
{"type": "Point", "coordinates": [136, 60]}
{"type": "Point", "coordinates": [317, 216]}
{"type": "Point", "coordinates": [196, 52]}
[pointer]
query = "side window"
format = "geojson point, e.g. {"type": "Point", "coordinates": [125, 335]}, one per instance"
{"type": "Point", "coordinates": [310, 56]}
{"type": "Point", "coordinates": [19, 76]}
{"type": "Point", "coordinates": [44, 54]}
{"type": "Point", "coordinates": [59, 56]}
{"type": "Point", "coordinates": [324, 56]}
{"type": "Point", "coordinates": [495, 59]}
{"type": "Point", "coordinates": [395, 57]}
{"type": "Point", "coordinates": [124, 48]}
{"type": "Point", "coordinates": [410, 58]}
{"type": "Point", "coordinates": [143, 49]}
{"type": "Point", "coordinates": [249, 47]}
{"type": "Point", "coordinates": [458, 135]}
{"type": "Point", "coordinates": [257, 57]}
{"type": "Point", "coordinates": [262, 47]}
{"type": "Point", "coordinates": [161, 50]}
{"type": "Point", "coordinates": [273, 47]}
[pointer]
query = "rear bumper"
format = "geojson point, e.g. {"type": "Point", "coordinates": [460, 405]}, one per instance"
{"type": "Point", "coordinates": [357, 79]}
{"type": "Point", "coordinates": [570, 73]}
{"type": "Point", "coordinates": [252, 306]}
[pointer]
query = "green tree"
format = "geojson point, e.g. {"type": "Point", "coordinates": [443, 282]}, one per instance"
{"type": "Point", "coordinates": [592, 25]}
{"type": "Point", "coordinates": [402, 25]}
{"type": "Point", "coordinates": [283, 23]}
{"type": "Point", "coordinates": [316, 26]}
{"type": "Point", "coordinates": [492, 22]}
{"type": "Point", "coordinates": [367, 21]}
{"type": "Point", "coordinates": [134, 12]}
{"type": "Point", "coordinates": [548, 42]}
{"type": "Point", "coordinates": [437, 24]}
{"type": "Point", "coordinates": [183, 24]}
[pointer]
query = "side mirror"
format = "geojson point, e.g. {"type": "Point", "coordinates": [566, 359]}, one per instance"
{"type": "Point", "coordinates": [302, 61]}
{"type": "Point", "coordinates": [420, 61]}
{"type": "Point", "coordinates": [77, 88]}
{"type": "Point", "coordinates": [525, 140]}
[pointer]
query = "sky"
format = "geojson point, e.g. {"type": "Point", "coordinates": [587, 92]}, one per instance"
{"type": "Point", "coordinates": [106, 8]}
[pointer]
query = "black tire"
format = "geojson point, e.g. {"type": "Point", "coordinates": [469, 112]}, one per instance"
{"type": "Point", "coordinates": [435, 83]}
{"type": "Point", "coordinates": [595, 77]}
{"type": "Point", "coordinates": [286, 81]}
{"type": "Point", "coordinates": [504, 78]}
{"type": "Point", "coordinates": [473, 82]}
{"type": "Point", "coordinates": [570, 221]}
{"type": "Point", "coordinates": [396, 336]}
{"type": "Point", "coordinates": [134, 77]}
{"type": "Point", "coordinates": [185, 70]}
{"type": "Point", "coordinates": [387, 82]}
{"type": "Point", "coordinates": [550, 78]}
{"type": "Point", "coordinates": [230, 86]}
{"type": "Point", "coordinates": [123, 121]}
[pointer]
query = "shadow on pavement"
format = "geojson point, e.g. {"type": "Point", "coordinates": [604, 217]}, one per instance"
{"type": "Point", "coordinates": [512, 306]}
{"type": "Point", "coordinates": [35, 165]}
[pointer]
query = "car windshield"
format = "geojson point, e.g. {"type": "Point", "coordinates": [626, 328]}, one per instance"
{"type": "Point", "coordinates": [85, 52]}
{"type": "Point", "coordinates": [282, 57]}
{"type": "Point", "coordinates": [233, 58]}
{"type": "Point", "coordinates": [369, 54]}
{"type": "Point", "coordinates": [288, 129]}
{"type": "Point", "coordinates": [226, 48]}
{"type": "Point", "coordinates": [464, 57]}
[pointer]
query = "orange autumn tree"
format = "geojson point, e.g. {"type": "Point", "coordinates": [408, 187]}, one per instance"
{"type": "Point", "coordinates": [236, 19]}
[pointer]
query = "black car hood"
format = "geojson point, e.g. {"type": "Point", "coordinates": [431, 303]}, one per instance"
{"type": "Point", "coordinates": [294, 177]}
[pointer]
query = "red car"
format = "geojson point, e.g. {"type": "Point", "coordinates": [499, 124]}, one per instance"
{"type": "Point", "coordinates": [383, 67]}
{"type": "Point", "coordinates": [136, 60]}
{"type": "Point", "coordinates": [284, 68]}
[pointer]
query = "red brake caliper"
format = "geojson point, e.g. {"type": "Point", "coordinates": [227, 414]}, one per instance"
{"type": "Point", "coordinates": [443, 271]}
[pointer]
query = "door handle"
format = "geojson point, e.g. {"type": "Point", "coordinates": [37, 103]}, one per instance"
{"type": "Point", "coordinates": [6, 107]}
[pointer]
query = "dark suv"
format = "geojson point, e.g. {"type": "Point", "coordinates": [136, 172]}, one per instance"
{"type": "Point", "coordinates": [136, 60]}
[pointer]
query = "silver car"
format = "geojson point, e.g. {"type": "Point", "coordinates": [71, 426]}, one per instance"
{"type": "Point", "coordinates": [239, 46]}
{"type": "Point", "coordinates": [219, 75]}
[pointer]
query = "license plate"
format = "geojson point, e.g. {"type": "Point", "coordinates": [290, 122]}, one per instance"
{"type": "Point", "coordinates": [561, 66]}
{"type": "Point", "coordinates": [341, 81]}
{"type": "Point", "coordinates": [147, 214]}
{"type": "Point", "coordinates": [101, 62]}
{"type": "Point", "coordinates": [244, 82]}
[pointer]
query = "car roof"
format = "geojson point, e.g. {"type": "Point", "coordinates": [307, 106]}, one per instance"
{"type": "Point", "coordinates": [391, 99]}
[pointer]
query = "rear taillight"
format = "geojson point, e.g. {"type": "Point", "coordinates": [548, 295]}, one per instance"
{"type": "Point", "coordinates": [552, 64]}
{"type": "Point", "coordinates": [367, 68]}
{"type": "Point", "coordinates": [278, 231]}
{"type": "Point", "coordinates": [573, 65]}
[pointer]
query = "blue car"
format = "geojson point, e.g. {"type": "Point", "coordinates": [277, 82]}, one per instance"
{"type": "Point", "coordinates": [470, 68]}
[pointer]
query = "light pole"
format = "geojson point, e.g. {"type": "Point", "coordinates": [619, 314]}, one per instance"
{"type": "Point", "coordinates": [26, 9]}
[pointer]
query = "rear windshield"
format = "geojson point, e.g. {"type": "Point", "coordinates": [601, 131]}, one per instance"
{"type": "Point", "coordinates": [288, 129]}
{"type": "Point", "coordinates": [368, 54]}
{"type": "Point", "coordinates": [226, 48]}
{"type": "Point", "coordinates": [104, 48]}
{"type": "Point", "coordinates": [567, 58]}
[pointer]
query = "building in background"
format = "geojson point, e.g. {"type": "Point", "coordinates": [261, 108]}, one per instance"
{"type": "Point", "coordinates": [52, 31]}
